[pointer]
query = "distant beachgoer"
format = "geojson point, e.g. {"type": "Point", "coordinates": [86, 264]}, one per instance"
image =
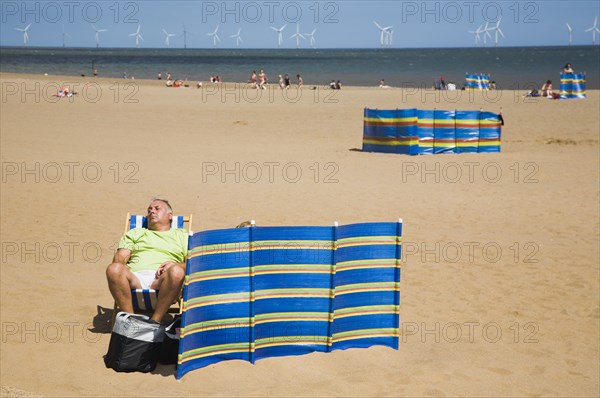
{"type": "Point", "coordinates": [332, 85]}
{"type": "Point", "coordinates": [169, 83]}
{"type": "Point", "coordinates": [382, 84]}
{"type": "Point", "coordinates": [262, 79]}
{"type": "Point", "coordinates": [300, 80]}
{"type": "Point", "coordinates": [253, 79]}
{"type": "Point", "coordinates": [287, 82]}
{"type": "Point", "coordinates": [218, 78]}
{"type": "Point", "coordinates": [338, 85]}
{"type": "Point", "coordinates": [199, 85]}
{"type": "Point", "coordinates": [168, 75]}
{"type": "Point", "coordinates": [159, 76]}
{"type": "Point", "coordinates": [493, 85]}
{"type": "Point", "coordinates": [442, 83]}
{"type": "Point", "coordinates": [95, 72]}
{"type": "Point", "coordinates": [547, 89]}
{"type": "Point", "coordinates": [281, 82]}
{"type": "Point", "coordinates": [451, 86]}
{"type": "Point", "coordinates": [124, 75]}
{"type": "Point", "coordinates": [568, 69]}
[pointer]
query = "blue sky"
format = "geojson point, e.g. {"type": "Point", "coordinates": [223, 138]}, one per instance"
{"type": "Point", "coordinates": [338, 24]}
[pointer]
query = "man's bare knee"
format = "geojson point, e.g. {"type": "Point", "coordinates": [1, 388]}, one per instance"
{"type": "Point", "coordinates": [176, 273]}
{"type": "Point", "coordinates": [115, 270]}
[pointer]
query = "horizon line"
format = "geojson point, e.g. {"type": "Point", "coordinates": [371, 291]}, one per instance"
{"type": "Point", "coordinates": [294, 49]}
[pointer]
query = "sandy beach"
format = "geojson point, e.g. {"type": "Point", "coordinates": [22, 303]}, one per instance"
{"type": "Point", "coordinates": [501, 273]}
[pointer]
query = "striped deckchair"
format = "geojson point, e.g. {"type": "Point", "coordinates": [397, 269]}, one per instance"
{"type": "Point", "coordinates": [259, 292]}
{"type": "Point", "coordinates": [144, 300]}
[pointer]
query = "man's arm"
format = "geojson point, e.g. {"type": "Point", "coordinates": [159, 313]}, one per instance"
{"type": "Point", "coordinates": [122, 256]}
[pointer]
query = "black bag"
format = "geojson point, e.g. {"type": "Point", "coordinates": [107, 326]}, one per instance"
{"type": "Point", "coordinates": [134, 343]}
{"type": "Point", "coordinates": [169, 349]}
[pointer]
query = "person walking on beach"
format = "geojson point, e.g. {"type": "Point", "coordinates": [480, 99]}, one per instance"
{"type": "Point", "coordinates": [300, 80]}
{"type": "Point", "coordinates": [262, 78]}
{"type": "Point", "coordinates": [287, 81]}
{"type": "Point", "coordinates": [281, 82]}
{"type": "Point", "coordinates": [150, 258]}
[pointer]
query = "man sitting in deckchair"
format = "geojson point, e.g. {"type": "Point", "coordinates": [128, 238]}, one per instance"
{"type": "Point", "coordinates": [152, 258]}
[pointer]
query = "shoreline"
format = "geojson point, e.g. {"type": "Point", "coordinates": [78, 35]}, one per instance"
{"type": "Point", "coordinates": [227, 84]}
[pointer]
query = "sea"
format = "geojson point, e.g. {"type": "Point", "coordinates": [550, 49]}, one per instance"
{"type": "Point", "coordinates": [514, 68]}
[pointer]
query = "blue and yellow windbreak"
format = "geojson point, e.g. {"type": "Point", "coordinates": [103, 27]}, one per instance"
{"type": "Point", "coordinates": [572, 85]}
{"type": "Point", "coordinates": [422, 132]}
{"type": "Point", "coordinates": [259, 292]}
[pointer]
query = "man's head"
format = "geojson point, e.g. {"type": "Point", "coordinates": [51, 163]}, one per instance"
{"type": "Point", "coordinates": [159, 215]}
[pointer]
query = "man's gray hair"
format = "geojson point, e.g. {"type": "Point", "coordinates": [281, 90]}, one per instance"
{"type": "Point", "coordinates": [165, 201]}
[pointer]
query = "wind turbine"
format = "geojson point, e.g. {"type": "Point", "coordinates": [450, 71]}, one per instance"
{"type": "Point", "coordinates": [167, 37]}
{"type": "Point", "coordinates": [476, 32]}
{"type": "Point", "coordinates": [385, 33]}
{"type": "Point", "coordinates": [98, 31]}
{"type": "Point", "coordinates": [390, 34]}
{"type": "Point", "coordinates": [312, 37]}
{"type": "Point", "coordinates": [26, 36]}
{"type": "Point", "coordinates": [497, 29]}
{"type": "Point", "coordinates": [279, 34]}
{"type": "Point", "coordinates": [297, 35]}
{"type": "Point", "coordinates": [215, 36]}
{"type": "Point", "coordinates": [64, 34]}
{"type": "Point", "coordinates": [137, 35]}
{"type": "Point", "coordinates": [570, 34]}
{"type": "Point", "coordinates": [486, 33]}
{"type": "Point", "coordinates": [184, 34]}
{"type": "Point", "coordinates": [237, 37]}
{"type": "Point", "coordinates": [594, 29]}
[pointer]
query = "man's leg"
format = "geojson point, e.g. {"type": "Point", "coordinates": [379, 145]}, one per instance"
{"type": "Point", "coordinates": [169, 284]}
{"type": "Point", "coordinates": [120, 282]}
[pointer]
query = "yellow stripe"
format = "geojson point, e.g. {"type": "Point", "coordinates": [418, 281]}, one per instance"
{"type": "Point", "coordinates": [489, 143]}
{"type": "Point", "coordinates": [290, 340]}
{"type": "Point", "coordinates": [366, 287]}
{"type": "Point", "coordinates": [366, 310]}
{"type": "Point", "coordinates": [392, 143]}
{"type": "Point", "coordinates": [218, 324]}
{"type": "Point", "coordinates": [391, 119]}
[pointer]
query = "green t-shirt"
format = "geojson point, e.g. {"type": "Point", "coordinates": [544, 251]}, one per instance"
{"type": "Point", "coordinates": [149, 249]}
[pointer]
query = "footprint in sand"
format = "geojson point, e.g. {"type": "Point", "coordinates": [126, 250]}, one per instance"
{"type": "Point", "coordinates": [500, 371]}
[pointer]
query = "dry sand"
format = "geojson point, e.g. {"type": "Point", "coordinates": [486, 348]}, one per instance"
{"type": "Point", "coordinates": [500, 283]}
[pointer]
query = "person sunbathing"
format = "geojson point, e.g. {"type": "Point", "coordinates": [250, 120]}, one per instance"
{"type": "Point", "coordinates": [547, 89]}
{"type": "Point", "coordinates": [150, 258]}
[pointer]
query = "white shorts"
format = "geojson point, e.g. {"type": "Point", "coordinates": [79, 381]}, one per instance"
{"type": "Point", "coordinates": [146, 277]}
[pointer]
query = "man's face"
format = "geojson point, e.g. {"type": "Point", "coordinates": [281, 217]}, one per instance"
{"type": "Point", "coordinates": [158, 214]}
